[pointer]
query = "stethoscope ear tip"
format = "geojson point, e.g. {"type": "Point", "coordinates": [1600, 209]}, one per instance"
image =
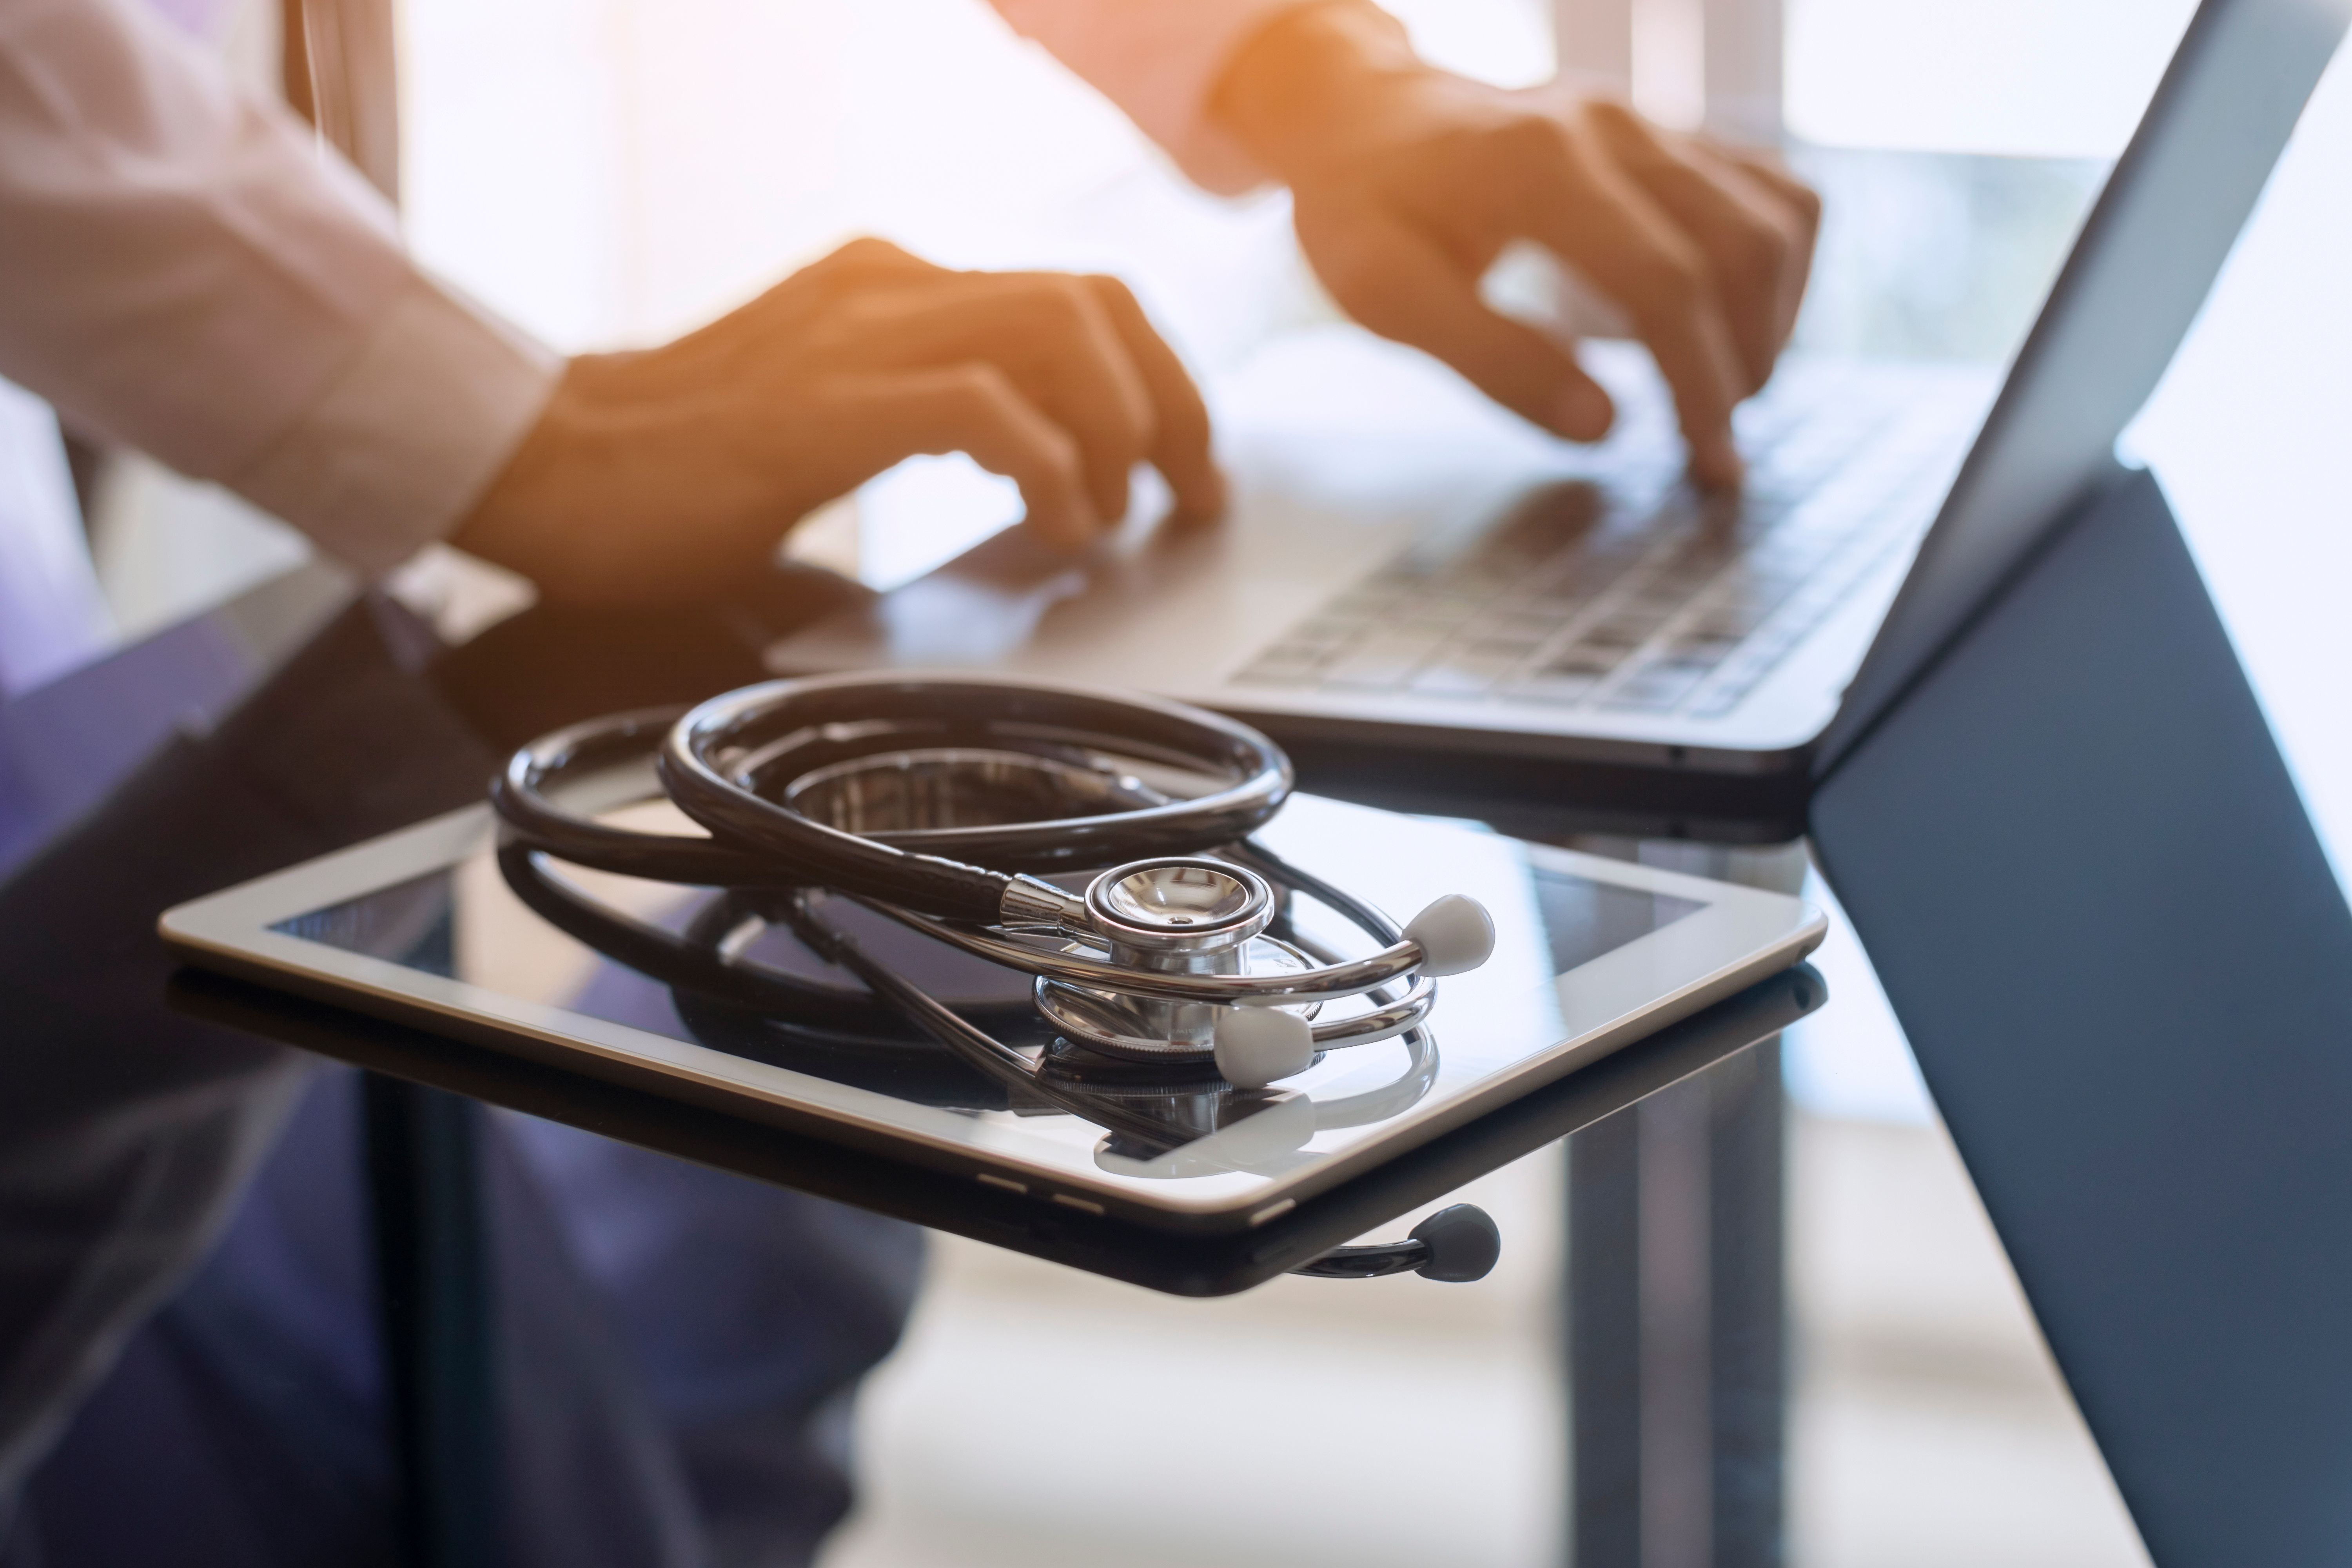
{"type": "Point", "coordinates": [1256, 1045]}
{"type": "Point", "coordinates": [1463, 1244]}
{"type": "Point", "coordinates": [1455, 935]}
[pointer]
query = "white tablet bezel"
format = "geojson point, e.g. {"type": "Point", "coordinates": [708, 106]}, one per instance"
{"type": "Point", "coordinates": [1737, 937]}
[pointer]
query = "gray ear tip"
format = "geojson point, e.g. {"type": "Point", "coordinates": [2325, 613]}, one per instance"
{"type": "Point", "coordinates": [1464, 1244]}
{"type": "Point", "coordinates": [1456, 935]}
{"type": "Point", "coordinates": [1256, 1045]}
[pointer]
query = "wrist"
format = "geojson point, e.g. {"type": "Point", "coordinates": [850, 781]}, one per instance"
{"type": "Point", "coordinates": [505, 525]}
{"type": "Point", "coordinates": [1307, 92]}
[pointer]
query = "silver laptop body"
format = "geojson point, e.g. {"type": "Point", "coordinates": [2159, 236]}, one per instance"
{"type": "Point", "coordinates": [1406, 567]}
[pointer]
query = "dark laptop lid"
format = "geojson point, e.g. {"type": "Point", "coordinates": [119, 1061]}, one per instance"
{"type": "Point", "coordinates": [2146, 257]}
{"type": "Point", "coordinates": [2123, 960]}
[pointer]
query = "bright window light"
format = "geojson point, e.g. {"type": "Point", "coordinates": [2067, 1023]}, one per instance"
{"type": "Point", "coordinates": [2062, 79]}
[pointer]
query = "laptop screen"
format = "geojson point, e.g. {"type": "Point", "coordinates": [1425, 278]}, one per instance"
{"type": "Point", "coordinates": [2146, 257]}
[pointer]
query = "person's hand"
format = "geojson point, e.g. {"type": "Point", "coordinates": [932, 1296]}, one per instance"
{"type": "Point", "coordinates": [667, 474]}
{"type": "Point", "coordinates": [1408, 181]}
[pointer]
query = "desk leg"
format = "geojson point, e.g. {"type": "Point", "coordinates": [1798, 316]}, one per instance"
{"type": "Point", "coordinates": [1675, 1304]}
{"type": "Point", "coordinates": [432, 1290]}
{"type": "Point", "coordinates": [1603, 1305]}
{"type": "Point", "coordinates": [1748, 1336]}
{"type": "Point", "coordinates": [1676, 1325]}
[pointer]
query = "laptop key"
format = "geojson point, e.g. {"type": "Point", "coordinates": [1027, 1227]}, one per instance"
{"type": "Point", "coordinates": [1383, 660]}
{"type": "Point", "coordinates": [1655, 686]}
{"type": "Point", "coordinates": [1627, 626]}
{"type": "Point", "coordinates": [1464, 672]}
{"type": "Point", "coordinates": [1278, 673]}
{"type": "Point", "coordinates": [1586, 657]}
{"type": "Point", "coordinates": [1523, 627]}
{"type": "Point", "coordinates": [1556, 689]}
{"type": "Point", "coordinates": [1327, 631]}
{"type": "Point", "coordinates": [1701, 651]}
{"type": "Point", "coordinates": [1729, 622]}
{"type": "Point", "coordinates": [1502, 654]}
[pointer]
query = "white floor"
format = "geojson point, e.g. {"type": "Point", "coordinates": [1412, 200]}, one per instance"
{"type": "Point", "coordinates": [1929, 1426]}
{"type": "Point", "coordinates": [1041, 1417]}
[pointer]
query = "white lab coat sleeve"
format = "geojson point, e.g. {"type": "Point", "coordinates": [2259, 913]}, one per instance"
{"type": "Point", "coordinates": [182, 271]}
{"type": "Point", "coordinates": [1160, 60]}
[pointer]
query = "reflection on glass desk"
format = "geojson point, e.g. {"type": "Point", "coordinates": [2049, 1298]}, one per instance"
{"type": "Point", "coordinates": [713, 1000]}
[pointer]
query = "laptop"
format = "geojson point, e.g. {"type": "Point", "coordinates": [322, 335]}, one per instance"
{"type": "Point", "coordinates": [1414, 579]}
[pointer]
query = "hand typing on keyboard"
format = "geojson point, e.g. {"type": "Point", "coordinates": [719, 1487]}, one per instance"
{"type": "Point", "coordinates": [1410, 180]}
{"type": "Point", "coordinates": [1631, 594]}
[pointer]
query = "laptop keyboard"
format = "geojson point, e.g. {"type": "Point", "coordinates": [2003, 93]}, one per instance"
{"type": "Point", "coordinates": [1651, 601]}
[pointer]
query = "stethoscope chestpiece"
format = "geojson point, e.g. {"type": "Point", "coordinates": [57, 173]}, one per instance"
{"type": "Point", "coordinates": [1179, 914]}
{"type": "Point", "coordinates": [1183, 915]}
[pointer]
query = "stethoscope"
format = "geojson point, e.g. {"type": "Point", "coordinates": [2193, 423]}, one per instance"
{"type": "Point", "coordinates": [1173, 982]}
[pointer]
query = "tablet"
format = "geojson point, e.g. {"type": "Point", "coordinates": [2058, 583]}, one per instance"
{"type": "Point", "coordinates": [428, 927]}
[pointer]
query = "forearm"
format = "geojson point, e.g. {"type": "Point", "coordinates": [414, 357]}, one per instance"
{"type": "Point", "coordinates": [183, 273]}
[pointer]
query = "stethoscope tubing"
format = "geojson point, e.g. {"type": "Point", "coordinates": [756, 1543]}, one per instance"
{"type": "Point", "coordinates": [699, 962]}
{"type": "Point", "coordinates": [966, 1039]}
{"type": "Point", "coordinates": [520, 793]}
{"type": "Point", "coordinates": [755, 843]}
{"type": "Point", "coordinates": [778, 847]}
{"type": "Point", "coordinates": [701, 764]}
{"type": "Point", "coordinates": [698, 959]}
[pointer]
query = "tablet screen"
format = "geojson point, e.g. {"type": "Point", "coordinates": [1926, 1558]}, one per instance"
{"type": "Point", "coordinates": [414, 924]}
{"type": "Point", "coordinates": [1588, 955]}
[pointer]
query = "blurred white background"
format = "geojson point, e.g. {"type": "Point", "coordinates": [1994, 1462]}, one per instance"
{"type": "Point", "coordinates": [610, 172]}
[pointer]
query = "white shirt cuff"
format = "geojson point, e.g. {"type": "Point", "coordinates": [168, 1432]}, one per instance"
{"type": "Point", "coordinates": [1160, 60]}
{"type": "Point", "coordinates": [409, 435]}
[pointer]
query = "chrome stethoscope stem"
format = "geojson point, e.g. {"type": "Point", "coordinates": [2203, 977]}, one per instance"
{"type": "Point", "coordinates": [1325, 984]}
